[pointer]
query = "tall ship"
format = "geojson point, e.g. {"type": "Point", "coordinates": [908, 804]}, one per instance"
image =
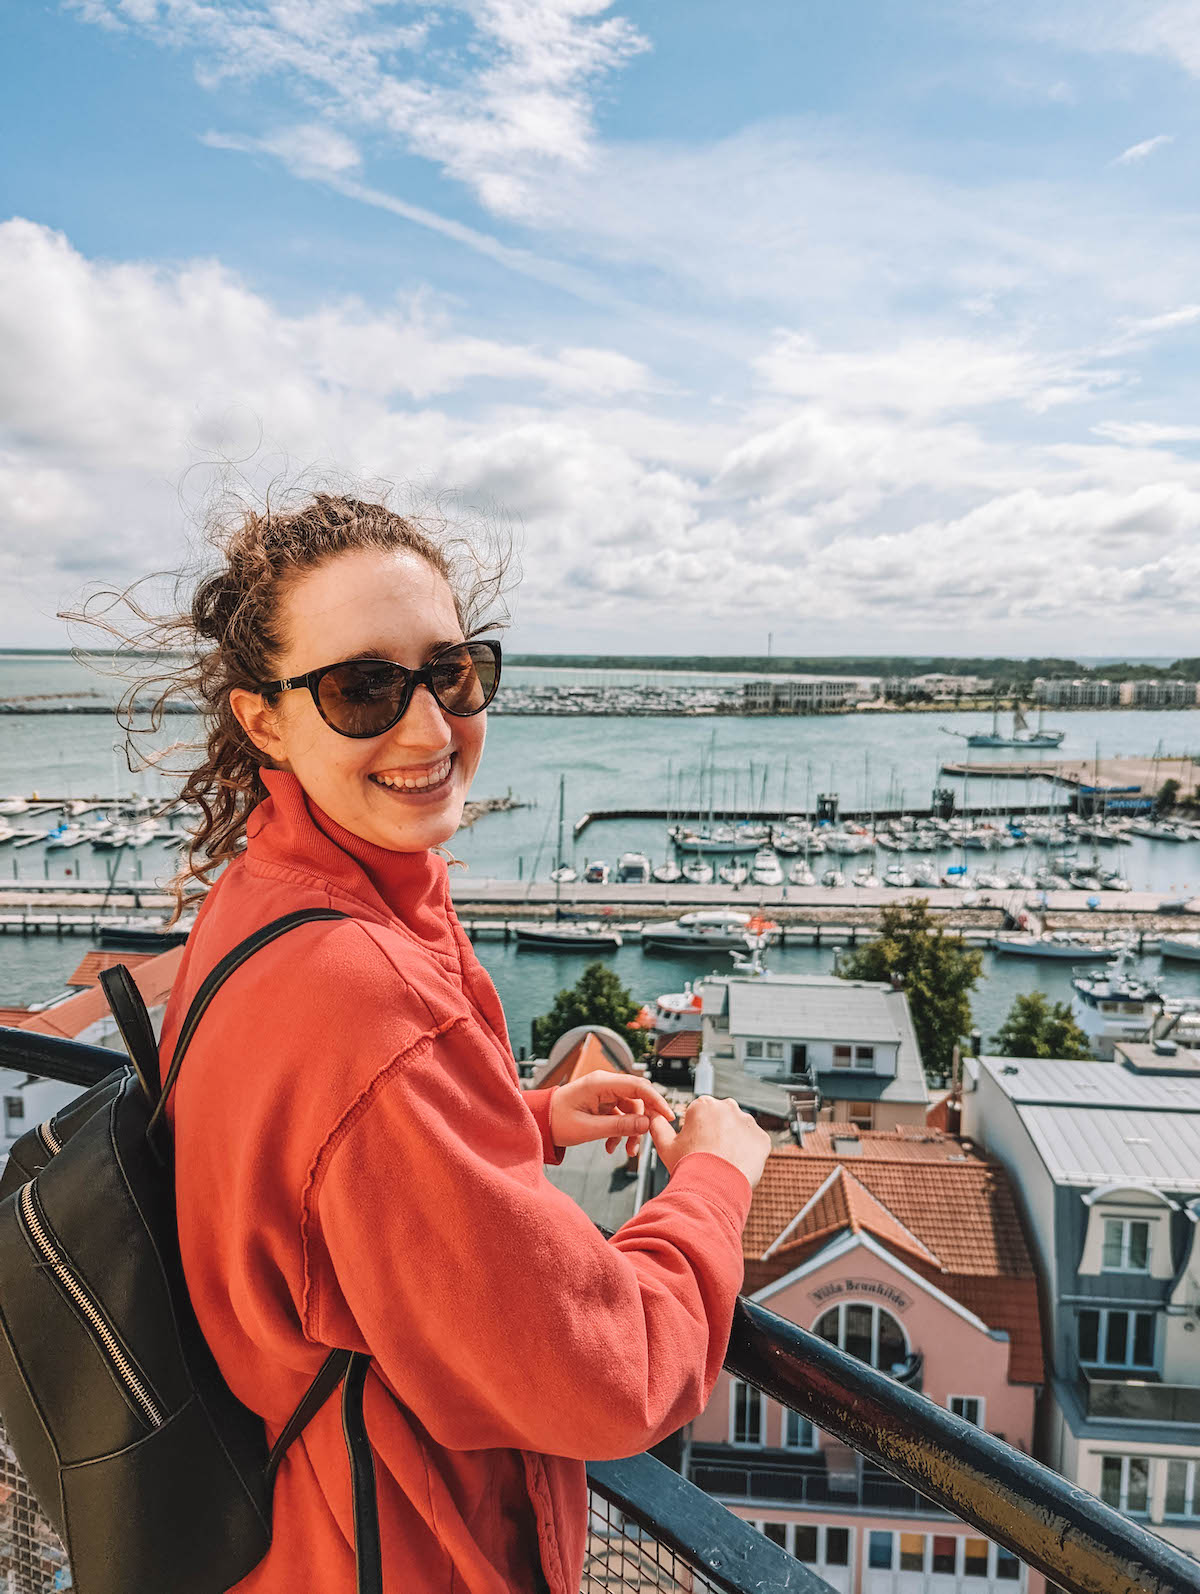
{"type": "Point", "coordinates": [1021, 735]}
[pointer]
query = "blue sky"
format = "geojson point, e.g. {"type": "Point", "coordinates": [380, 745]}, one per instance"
{"type": "Point", "coordinates": [870, 325]}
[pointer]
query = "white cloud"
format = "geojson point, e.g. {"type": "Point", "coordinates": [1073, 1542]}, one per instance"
{"type": "Point", "coordinates": [496, 112]}
{"type": "Point", "coordinates": [858, 496]}
{"type": "Point", "coordinates": [310, 149]}
{"type": "Point", "coordinates": [1138, 152]}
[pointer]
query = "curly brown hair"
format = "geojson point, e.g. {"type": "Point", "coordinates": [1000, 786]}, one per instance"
{"type": "Point", "coordinates": [229, 636]}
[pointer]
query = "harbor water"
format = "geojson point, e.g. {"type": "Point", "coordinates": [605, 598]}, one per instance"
{"type": "Point", "coordinates": [736, 763]}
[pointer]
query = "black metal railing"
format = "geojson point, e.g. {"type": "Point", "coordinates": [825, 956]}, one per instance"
{"type": "Point", "coordinates": [679, 1531]}
{"type": "Point", "coordinates": [783, 1477]}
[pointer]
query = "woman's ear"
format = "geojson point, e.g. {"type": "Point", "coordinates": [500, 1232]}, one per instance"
{"type": "Point", "coordinates": [259, 721]}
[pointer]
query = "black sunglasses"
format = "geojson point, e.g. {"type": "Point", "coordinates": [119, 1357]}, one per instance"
{"type": "Point", "coordinates": [365, 697]}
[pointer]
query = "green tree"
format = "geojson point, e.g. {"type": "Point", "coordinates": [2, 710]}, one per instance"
{"type": "Point", "coordinates": [936, 971]}
{"type": "Point", "coordinates": [1168, 794]}
{"type": "Point", "coordinates": [598, 997]}
{"type": "Point", "coordinates": [1038, 1027]}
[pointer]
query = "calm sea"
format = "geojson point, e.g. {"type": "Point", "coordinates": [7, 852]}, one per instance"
{"type": "Point", "coordinates": [608, 762]}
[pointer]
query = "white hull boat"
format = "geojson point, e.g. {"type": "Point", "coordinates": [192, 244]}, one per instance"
{"type": "Point", "coordinates": [733, 874]}
{"type": "Point", "coordinates": [668, 873]}
{"type": "Point", "coordinates": [1184, 947]}
{"type": "Point", "coordinates": [717, 928]}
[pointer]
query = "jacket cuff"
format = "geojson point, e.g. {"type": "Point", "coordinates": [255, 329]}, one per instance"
{"type": "Point", "coordinates": [538, 1102]}
{"type": "Point", "coordinates": [718, 1180]}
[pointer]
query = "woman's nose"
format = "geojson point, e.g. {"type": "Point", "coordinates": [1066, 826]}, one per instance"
{"type": "Point", "coordinates": [424, 724]}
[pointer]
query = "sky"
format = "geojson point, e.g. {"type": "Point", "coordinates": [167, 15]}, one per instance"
{"type": "Point", "coordinates": [870, 326]}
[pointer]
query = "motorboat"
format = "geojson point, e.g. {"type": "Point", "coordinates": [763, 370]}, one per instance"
{"type": "Point", "coordinates": [898, 877]}
{"type": "Point", "coordinates": [143, 835]}
{"type": "Point", "coordinates": [716, 927]}
{"type": "Point", "coordinates": [733, 873]}
{"type": "Point", "coordinates": [765, 869]}
{"type": "Point", "coordinates": [633, 868]}
{"type": "Point", "coordinates": [800, 874]}
{"type": "Point", "coordinates": [564, 874]}
{"type": "Point", "coordinates": [596, 873]}
{"type": "Point", "coordinates": [65, 836]}
{"type": "Point", "coordinates": [667, 873]}
{"type": "Point", "coordinates": [565, 935]}
{"type": "Point", "coordinates": [833, 878]}
{"type": "Point", "coordinates": [112, 840]}
{"type": "Point", "coordinates": [697, 872]}
{"type": "Point", "coordinates": [13, 805]}
{"type": "Point", "coordinates": [866, 877]}
{"type": "Point", "coordinates": [1186, 948]}
{"type": "Point", "coordinates": [1115, 1004]}
{"type": "Point", "coordinates": [925, 874]}
{"type": "Point", "coordinates": [848, 842]}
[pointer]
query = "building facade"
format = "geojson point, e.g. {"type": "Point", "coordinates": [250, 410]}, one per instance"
{"type": "Point", "coordinates": [905, 1250]}
{"type": "Point", "coordinates": [806, 694]}
{"type": "Point", "coordinates": [1106, 1159]}
{"type": "Point", "coordinates": [850, 1041]}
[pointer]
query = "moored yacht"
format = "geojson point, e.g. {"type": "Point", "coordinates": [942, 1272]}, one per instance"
{"type": "Point", "coordinates": [564, 935]}
{"type": "Point", "coordinates": [1115, 1004]}
{"type": "Point", "coordinates": [719, 927]}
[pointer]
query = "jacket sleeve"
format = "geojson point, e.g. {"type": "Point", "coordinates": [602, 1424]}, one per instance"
{"type": "Point", "coordinates": [493, 1306]}
{"type": "Point", "coordinates": [538, 1102]}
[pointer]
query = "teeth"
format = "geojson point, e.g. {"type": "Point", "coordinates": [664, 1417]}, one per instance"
{"type": "Point", "coordinates": [431, 777]}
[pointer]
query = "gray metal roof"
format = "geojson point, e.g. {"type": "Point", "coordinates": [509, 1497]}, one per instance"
{"type": "Point", "coordinates": [597, 1181]}
{"type": "Point", "coordinates": [1088, 1145]}
{"type": "Point", "coordinates": [1055, 1081]}
{"type": "Point", "coordinates": [813, 1009]}
{"type": "Point", "coordinates": [906, 1085]}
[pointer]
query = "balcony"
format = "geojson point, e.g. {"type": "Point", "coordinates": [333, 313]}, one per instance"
{"type": "Point", "coordinates": [653, 1529]}
{"type": "Point", "coordinates": [1109, 1394]}
{"type": "Point", "coordinates": [793, 1478]}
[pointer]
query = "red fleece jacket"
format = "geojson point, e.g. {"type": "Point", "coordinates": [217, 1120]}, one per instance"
{"type": "Point", "coordinates": [358, 1166]}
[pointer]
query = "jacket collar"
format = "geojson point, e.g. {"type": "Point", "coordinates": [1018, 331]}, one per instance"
{"type": "Point", "coordinates": [288, 830]}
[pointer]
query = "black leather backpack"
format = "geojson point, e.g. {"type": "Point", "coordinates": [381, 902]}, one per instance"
{"type": "Point", "coordinates": [155, 1476]}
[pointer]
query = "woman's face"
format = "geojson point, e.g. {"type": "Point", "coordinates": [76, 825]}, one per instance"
{"type": "Point", "coordinates": [397, 606]}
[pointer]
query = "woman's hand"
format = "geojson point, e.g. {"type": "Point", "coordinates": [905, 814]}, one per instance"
{"type": "Point", "coordinates": [609, 1107]}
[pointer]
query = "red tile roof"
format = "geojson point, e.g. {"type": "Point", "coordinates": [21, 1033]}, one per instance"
{"type": "Point", "coordinates": [12, 1017]}
{"type": "Point", "coordinates": [94, 964]}
{"type": "Point", "coordinates": [587, 1055]}
{"type": "Point", "coordinates": [937, 1205]}
{"type": "Point", "coordinates": [153, 978]}
{"type": "Point", "coordinates": [684, 1044]}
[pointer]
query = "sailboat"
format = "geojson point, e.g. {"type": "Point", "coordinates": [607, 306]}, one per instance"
{"type": "Point", "coordinates": [1020, 736]}
{"type": "Point", "coordinates": [566, 934]}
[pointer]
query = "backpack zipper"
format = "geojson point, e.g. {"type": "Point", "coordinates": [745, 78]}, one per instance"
{"type": "Point", "coordinates": [49, 1140]}
{"type": "Point", "coordinates": [95, 1318]}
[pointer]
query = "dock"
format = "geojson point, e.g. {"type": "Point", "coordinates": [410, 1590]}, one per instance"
{"type": "Point", "coordinates": [1092, 775]}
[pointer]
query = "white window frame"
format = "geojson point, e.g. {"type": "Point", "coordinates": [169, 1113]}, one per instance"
{"type": "Point", "coordinates": [786, 1415]}
{"type": "Point", "coordinates": [754, 1049]}
{"type": "Point", "coordinates": [747, 1444]}
{"type": "Point", "coordinates": [977, 1400]}
{"type": "Point", "coordinates": [875, 1310]}
{"type": "Point", "coordinates": [1191, 1489]}
{"type": "Point", "coordinates": [1103, 1314]}
{"type": "Point", "coordinates": [862, 1062]}
{"type": "Point", "coordinates": [775, 1049]}
{"type": "Point", "coordinates": [1124, 1490]}
{"type": "Point", "coordinates": [1126, 1226]}
{"type": "Point", "coordinates": [842, 1062]}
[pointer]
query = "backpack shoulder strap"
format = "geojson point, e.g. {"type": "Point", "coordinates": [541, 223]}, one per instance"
{"type": "Point", "coordinates": [216, 977]}
{"type": "Point", "coordinates": [329, 1375]}
{"type": "Point", "coordinates": [133, 1021]}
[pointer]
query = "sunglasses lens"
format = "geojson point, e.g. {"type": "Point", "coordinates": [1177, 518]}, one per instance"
{"type": "Point", "coordinates": [361, 699]}
{"type": "Point", "coordinates": [464, 679]}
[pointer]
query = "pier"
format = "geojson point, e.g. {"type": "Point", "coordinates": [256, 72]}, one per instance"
{"type": "Point", "coordinates": [1098, 775]}
{"type": "Point", "coordinates": [766, 816]}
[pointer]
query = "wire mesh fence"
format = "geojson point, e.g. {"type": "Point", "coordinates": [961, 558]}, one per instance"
{"type": "Point", "coordinates": [32, 1560]}
{"type": "Point", "coordinates": [623, 1558]}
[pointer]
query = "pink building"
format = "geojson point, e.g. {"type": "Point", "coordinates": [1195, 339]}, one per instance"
{"type": "Point", "coordinates": [904, 1249]}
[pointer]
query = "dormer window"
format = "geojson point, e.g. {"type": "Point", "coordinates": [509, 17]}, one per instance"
{"type": "Point", "coordinates": [843, 1056]}
{"type": "Point", "coordinates": [1126, 1246]}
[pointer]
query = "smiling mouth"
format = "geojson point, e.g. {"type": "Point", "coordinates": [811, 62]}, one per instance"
{"type": "Point", "coordinates": [422, 780]}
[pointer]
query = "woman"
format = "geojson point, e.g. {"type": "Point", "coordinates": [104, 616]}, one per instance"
{"type": "Point", "coordinates": [357, 1165]}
